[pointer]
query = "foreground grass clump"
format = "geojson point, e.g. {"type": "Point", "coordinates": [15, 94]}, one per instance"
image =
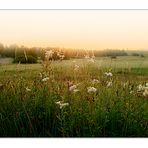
{"type": "Point", "coordinates": [74, 101]}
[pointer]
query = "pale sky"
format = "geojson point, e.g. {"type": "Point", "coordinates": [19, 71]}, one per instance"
{"type": "Point", "coordinates": [87, 29]}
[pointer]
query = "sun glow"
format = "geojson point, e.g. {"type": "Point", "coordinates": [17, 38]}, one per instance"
{"type": "Point", "coordinates": [87, 29]}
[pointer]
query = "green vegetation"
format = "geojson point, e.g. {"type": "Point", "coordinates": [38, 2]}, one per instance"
{"type": "Point", "coordinates": [30, 59]}
{"type": "Point", "coordinates": [104, 97]}
{"type": "Point", "coordinates": [20, 54]}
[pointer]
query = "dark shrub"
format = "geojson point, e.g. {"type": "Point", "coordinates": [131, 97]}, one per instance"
{"type": "Point", "coordinates": [135, 54]}
{"type": "Point", "coordinates": [21, 59]}
{"type": "Point", "coordinates": [113, 57]}
{"type": "Point", "coordinates": [142, 55]}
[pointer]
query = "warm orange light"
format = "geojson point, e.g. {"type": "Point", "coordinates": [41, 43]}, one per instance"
{"type": "Point", "coordinates": [97, 29]}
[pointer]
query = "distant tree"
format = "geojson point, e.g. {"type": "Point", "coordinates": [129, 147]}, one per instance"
{"type": "Point", "coordinates": [32, 52]}
{"type": "Point", "coordinates": [9, 51]}
{"type": "Point", "coordinates": [135, 54]}
{"type": "Point", "coordinates": [113, 57]}
{"type": "Point", "coordinates": [142, 56]}
{"type": "Point", "coordinates": [1, 48]}
{"type": "Point", "coordinates": [21, 59]}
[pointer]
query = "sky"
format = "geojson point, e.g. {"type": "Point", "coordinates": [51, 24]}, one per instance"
{"type": "Point", "coordinates": [80, 29]}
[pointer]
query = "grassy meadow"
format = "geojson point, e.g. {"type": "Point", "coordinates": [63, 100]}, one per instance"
{"type": "Point", "coordinates": [102, 97]}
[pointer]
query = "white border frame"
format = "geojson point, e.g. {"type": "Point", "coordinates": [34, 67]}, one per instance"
{"type": "Point", "coordinates": [73, 4]}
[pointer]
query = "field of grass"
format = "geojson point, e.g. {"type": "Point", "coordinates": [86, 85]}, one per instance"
{"type": "Point", "coordinates": [75, 98]}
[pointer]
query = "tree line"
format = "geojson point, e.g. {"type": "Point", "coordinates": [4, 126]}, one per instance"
{"type": "Point", "coordinates": [32, 55]}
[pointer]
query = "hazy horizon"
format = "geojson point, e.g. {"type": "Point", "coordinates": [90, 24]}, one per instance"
{"type": "Point", "coordinates": [80, 29]}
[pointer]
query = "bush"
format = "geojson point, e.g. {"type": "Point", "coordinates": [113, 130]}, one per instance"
{"type": "Point", "coordinates": [142, 56]}
{"type": "Point", "coordinates": [21, 59]}
{"type": "Point", "coordinates": [113, 57]}
{"type": "Point", "coordinates": [135, 54]}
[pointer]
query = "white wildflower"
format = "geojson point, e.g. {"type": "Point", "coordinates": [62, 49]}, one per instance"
{"type": "Point", "coordinates": [40, 75]}
{"type": "Point", "coordinates": [91, 60]}
{"type": "Point", "coordinates": [73, 87]}
{"type": "Point", "coordinates": [108, 74]}
{"type": "Point", "coordinates": [140, 87]}
{"type": "Point", "coordinates": [28, 89]}
{"type": "Point", "coordinates": [58, 54]}
{"type": "Point", "coordinates": [58, 103]}
{"type": "Point", "coordinates": [124, 84]}
{"type": "Point", "coordinates": [61, 104]}
{"type": "Point", "coordinates": [109, 84]}
{"type": "Point", "coordinates": [61, 56]}
{"type": "Point", "coordinates": [95, 81]}
{"type": "Point", "coordinates": [1, 84]}
{"type": "Point", "coordinates": [76, 67]}
{"type": "Point", "coordinates": [86, 56]}
{"type": "Point", "coordinates": [146, 84]}
{"type": "Point", "coordinates": [91, 89]}
{"type": "Point", "coordinates": [45, 79]}
{"type": "Point", "coordinates": [145, 93]}
{"type": "Point", "coordinates": [49, 54]}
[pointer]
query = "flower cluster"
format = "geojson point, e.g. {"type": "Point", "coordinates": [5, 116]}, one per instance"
{"type": "Point", "coordinates": [49, 54]}
{"type": "Point", "coordinates": [143, 89]}
{"type": "Point", "coordinates": [91, 89]}
{"type": "Point", "coordinates": [45, 79]}
{"type": "Point", "coordinates": [109, 84]}
{"type": "Point", "coordinates": [90, 59]}
{"type": "Point", "coordinates": [95, 81]}
{"type": "Point", "coordinates": [60, 55]}
{"type": "Point", "coordinates": [86, 56]}
{"type": "Point", "coordinates": [61, 104]}
{"type": "Point", "coordinates": [76, 67]}
{"type": "Point", "coordinates": [108, 74]}
{"type": "Point", "coordinates": [28, 89]}
{"type": "Point", "coordinates": [73, 88]}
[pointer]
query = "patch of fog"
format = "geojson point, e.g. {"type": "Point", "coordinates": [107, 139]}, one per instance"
{"type": "Point", "coordinates": [6, 60]}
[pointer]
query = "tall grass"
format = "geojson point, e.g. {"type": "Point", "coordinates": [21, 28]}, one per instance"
{"type": "Point", "coordinates": [118, 110]}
